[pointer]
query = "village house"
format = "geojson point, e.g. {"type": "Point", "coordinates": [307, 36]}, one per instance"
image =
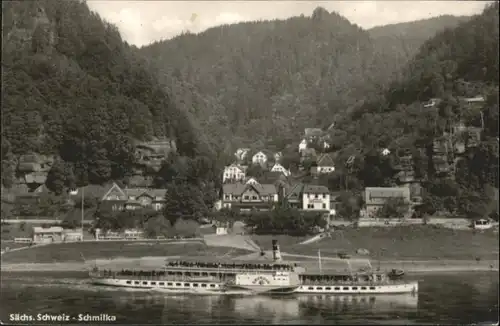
{"type": "Point", "coordinates": [241, 154]}
{"type": "Point", "coordinates": [247, 197]}
{"type": "Point", "coordinates": [385, 152]}
{"type": "Point", "coordinates": [325, 165]}
{"type": "Point", "coordinates": [302, 145]}
{"type": "Point", "coordinates": [233, 173]}
{"type": "Point", "coordinates": [313, 134]}
{"type": "Point", "coordinates": [279, 168]}
{"type": "Point", "coordinates": [376, 197]}
{"type": "Point", "coordinates": [152, 153]}
{"type": "Point", "coordinates": [309, 197]}
{"type": "Point", "coordinates": [133, 198]}
{"type": "Point", "coordinates": [259, 158]}
{"type": "Point", "coordinates": [309, 154]}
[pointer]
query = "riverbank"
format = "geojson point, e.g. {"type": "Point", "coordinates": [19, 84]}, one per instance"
{"type": "Point", "coordinates": [328, 265]}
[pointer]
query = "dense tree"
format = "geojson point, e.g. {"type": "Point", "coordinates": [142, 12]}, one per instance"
{"type": "Point", "coordinates": [79, 92]}
{"type": "Point", "coordinates": [184, 201]}
{"type": "Point", "coordinates": [266, 81]}
{"type": "Point", "coordinates": [394, 208]}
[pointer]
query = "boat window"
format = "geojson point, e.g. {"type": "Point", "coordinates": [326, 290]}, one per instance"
{"type": "Point", "coordinates": [319, 288]}
{"type": "Point", "coordinates": [212, 285]}
{"type": "Point", "coordinates": [354, 287]}
{"type": "Point", "coordinates": [196, 273]}
{"type": "Point", "coordinates": [328, 288]}
{"type": "Point", "coordinates": [186, 284]}
{"type": "Point", "coordinates": [363, 288]}
{"type": "Point", "coordinates": [204, 274]}
{"type": "Point", "coordinates": [213, 274]}
{"type": "Point", "coordinates": [144, 282]}
{"type": "Point", "coordinates": [203, 285]}
{"type": "Point", "coordinates": [310, 288]}
{"type": "Point", "coordinates": [153, 283]}
{"type": "Point", "coordinates": [178, 284]}
{"type": "Point", "coordinates": [161, 283]}
{"type": "Point", "coordinates": [372, 288]}
{"type": "Point", "coordinates": [170, 284]}
{"type": "Point", "coordinates": [136, 282]}
{"type": "Point", "coordinates": [195, 285]}
{"type": "Point", "coordinates": [336, 288]}
{"type": "Point", "coordinates": [345, 288]}
{"type": "Point", "coordinates": [129, 282]}
{"type": "Point", "coordinates": [170, 273]}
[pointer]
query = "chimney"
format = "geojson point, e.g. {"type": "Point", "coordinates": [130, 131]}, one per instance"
{"type": "Point", "coordinates": [276, 251]}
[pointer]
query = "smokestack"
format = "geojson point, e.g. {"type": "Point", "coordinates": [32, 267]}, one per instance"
{"type": "Point", "coordinates": [276, 251]}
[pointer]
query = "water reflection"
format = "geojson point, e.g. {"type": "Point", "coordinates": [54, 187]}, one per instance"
{"type": "Point", "coordinates": [375, 303]}
{"type": "Point", "coordinates": [442, 299]}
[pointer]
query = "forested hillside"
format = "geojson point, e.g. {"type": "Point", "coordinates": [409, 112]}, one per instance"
{"type": "Point", "coordinates": [260, 81]}
{"type": "Point", "coordinates": [404, 39]}
{"type": "Point", "coordinates": [72, 88]}
{"type": "Point", "coordinates": [455, 65]}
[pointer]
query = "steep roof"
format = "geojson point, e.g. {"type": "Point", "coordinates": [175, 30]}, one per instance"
{"type": "Point", "coordinates": [239, 188]}
{"type": "Point", "coordinates": [315, 189]}
{"type": "Point", "coordinates": [325, 160]}
{"type": "Point", "coordinates": [295, 192]}
{"type": "Point", "coordinates": [378, 195]}
{"type": "Point", "coordinates": [313, 132]}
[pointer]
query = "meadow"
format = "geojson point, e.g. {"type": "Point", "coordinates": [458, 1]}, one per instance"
{"type": "Point", "coordinates": [76, 251]}
{"type": "Point", "coordinates": [425, 242]}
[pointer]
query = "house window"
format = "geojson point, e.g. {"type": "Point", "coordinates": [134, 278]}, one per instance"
{"type": "Point", "coordinates": [316, 196]}
{"type": "Point", "coordinates": [324, 206]}
{"type": "Point", "coordinates": [254, 197]}
{"type": "Point", "coordinates": [310, 206]}
{"type": "Point", "coordinates": [246, 197]}
{"type": "Point", "coordinates": [324, 196]}
{"type": "Point", "coordinates": [227, 197]}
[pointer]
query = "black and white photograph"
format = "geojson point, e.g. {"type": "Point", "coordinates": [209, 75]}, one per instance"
{"type": "Point", "coordinates": [249, 162]}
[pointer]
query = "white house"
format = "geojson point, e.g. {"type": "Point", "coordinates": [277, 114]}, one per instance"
{"type": "Point", "coordinates": [280, 168]}
{"type": "Point", "coordinates": [386, 152]}
{"type": "Point", "coordinates": [315, 198]}
{"type": "Point", "coordinates": [241, 153]}
{"type": "Point", "coordinates": [308, 197]}
{"type": "Point", "coordinates": [252, 181]}
{"type": "Point", "coordinates": [259, 158]}
{"type": "Point", "coordinates": [303, 145]}
{"type": "Point", "coordinates": [233, 172]}
{"type": "Point", "coordinates": [325, 164]}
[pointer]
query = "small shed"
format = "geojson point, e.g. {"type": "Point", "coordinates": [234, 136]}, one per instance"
{"type": "Point", "coordinates": [47, 235]}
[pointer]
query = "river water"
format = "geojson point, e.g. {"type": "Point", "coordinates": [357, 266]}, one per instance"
{"type": "Point", "coordinates": [444, 299]}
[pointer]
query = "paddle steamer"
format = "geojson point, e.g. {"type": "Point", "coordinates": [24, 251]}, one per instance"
{"type": "Point", "coordinates": [255, 277]}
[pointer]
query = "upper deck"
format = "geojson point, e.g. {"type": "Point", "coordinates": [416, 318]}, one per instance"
{"type": "Point", "coordinates": [228, 268]}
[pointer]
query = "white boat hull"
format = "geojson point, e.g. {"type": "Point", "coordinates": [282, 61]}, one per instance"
{"type": "Point", "coordinates": [407, 287]}
{"type": "Point", "coordinates": [164, 285]}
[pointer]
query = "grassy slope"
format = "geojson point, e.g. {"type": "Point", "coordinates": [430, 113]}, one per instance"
{"type": "Point", "coordinates": [400, 243]}
{"type": "Point", "coordinates": [70, 252]}
{"type": "Point", "coordinates": [405, 243]}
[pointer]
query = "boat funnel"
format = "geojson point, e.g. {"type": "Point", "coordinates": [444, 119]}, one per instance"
{"type": "Point", "coordinates": [276, 251]}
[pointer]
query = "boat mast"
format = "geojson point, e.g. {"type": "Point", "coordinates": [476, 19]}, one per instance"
{"type": "Point", "coordinates": [319, 261]}
{"type": "Point", "coordinates": [349, 266]}
{"type": "Point", "coordinates": [83, 199]}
